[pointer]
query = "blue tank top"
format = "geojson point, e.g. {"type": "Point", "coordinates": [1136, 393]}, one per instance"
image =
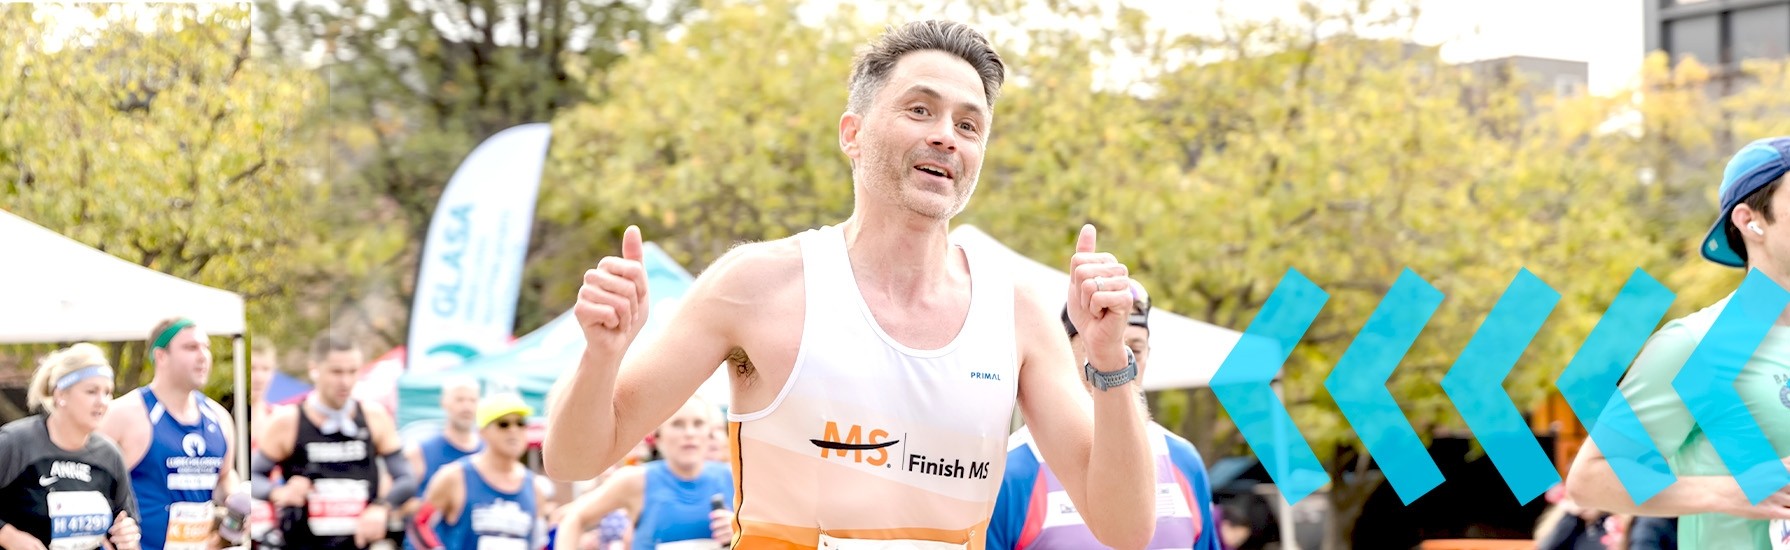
{"type": "Point", "coordinates": [175, 479]}
{"type": "Point", "coordinates": [675, 509]}
{"type": "Point", "coordinates": [437, 452]}
{"type": "Point", "coordinates": [491, 519]}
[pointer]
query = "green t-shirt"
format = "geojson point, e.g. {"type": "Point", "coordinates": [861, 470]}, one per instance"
{"type": "Point", "coordinates": [1763, 388]}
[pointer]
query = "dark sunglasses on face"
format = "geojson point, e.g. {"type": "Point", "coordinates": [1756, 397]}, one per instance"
{"type": "Point", "coordinates": [507, 424]}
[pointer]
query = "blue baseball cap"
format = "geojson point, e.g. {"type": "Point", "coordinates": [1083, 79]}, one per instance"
{"type": "Point", "coordinates": [1759, 163]}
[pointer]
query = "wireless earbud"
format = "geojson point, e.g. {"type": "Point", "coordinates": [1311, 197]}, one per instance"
{"type": "Point", "coordinates": [1755, 227]}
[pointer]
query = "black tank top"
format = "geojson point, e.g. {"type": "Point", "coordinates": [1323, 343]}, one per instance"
{"type": "Point", "coordinates": [343, 478]}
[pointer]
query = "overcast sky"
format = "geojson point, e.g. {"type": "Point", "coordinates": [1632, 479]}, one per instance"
{"type": "Point", "coordinates": [1606, 34]}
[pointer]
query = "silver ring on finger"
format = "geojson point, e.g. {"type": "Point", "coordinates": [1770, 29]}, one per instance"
{"type": "Point", "coordinates": [1097, 285]}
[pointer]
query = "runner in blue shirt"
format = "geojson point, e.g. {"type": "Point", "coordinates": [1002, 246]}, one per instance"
{"type": "Point", "coordinates": [488, 501]}
{"type": "Point", "coordinates": [176, 441]}
{"type": "Point", "coordinates": [681, 502]}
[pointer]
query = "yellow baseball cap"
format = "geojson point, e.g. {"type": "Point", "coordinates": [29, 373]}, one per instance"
{"type": "Point", "coordinates": [493, 407]}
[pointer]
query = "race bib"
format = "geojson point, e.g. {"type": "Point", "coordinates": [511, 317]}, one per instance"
{"type": "Point", "coordinates": [1059, 511]}
{"type": "Point", "coordinates": [78, 519]}
{"type": "Point", "coordinates": [1780, 534]}
{"type": "Point", "coordinates": [194, 473]}
{"type": "Point", "coordinates": [502, 543]}
{"type": "Point", "coordinates": [189, 526]}
{"type": "Point", "coordinates": [260, 519]}
{"type": "Point", "coordinates": [828, 542]}
{"type": "Point", "coordinates": [692, 544]}
{"type": "Point", "coordinates": [502, 519]}
{"type": "Point", "coordinates": [1170, 503]}
{"type": "Point", "coordinates": [335, 506]}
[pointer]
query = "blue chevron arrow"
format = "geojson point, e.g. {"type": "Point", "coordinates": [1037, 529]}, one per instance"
{"type": "Point", "coordinates": [1243, 385]}
{"type": "Point", "coordinates": [1706, 385]}
{"type": "Point", "coordinates": [1358, 383]}
{"type": "Point", "coordinates": [1476, 385]}
{"type": "Point", "coordinates": [1589, 386]}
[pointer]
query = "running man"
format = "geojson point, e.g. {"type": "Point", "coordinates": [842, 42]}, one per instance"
{"type": "Point", "coordinates": [872, 389]}
{"type": "Point", "coordinates": [175, 440]}
{"type": "Point", "coordinates": [1713, 513]}
{"type": "Point", "coordinates": [459, 437]}
{"type": "Point", "coordinates": [488, 500]}
{"type": "Point", "coordinates": [325, 449]}
{"type": "Point", "coordinates": [263, 363]}
{"type": "Point", "coordinates": [672, 501]}
{"type": "Point", "coordinates": [63, 485]}
{"type": "Point", "coordinates": [1030, 512]}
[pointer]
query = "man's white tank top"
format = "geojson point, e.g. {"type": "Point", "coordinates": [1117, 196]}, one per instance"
{"type": "Point", "coordinates": [872, 444]}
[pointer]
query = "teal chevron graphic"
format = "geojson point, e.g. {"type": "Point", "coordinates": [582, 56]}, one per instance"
{"type": "Point", "coordinates": [1244, 386]}
{"type": "Point", "coordinates": [1476, 385]}
{"type": "Point", "coordinates": [1706, 385]}
{"type": "Point", "coordinates": [1589, 386]}
{"type": "Point", "coordinates": [1358, 383]}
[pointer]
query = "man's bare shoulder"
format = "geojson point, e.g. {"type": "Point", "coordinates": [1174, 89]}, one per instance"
{"type": "Point", "coordinates": [130, 402]}
{"type": "Point", "coordinates": [283, 418]}
{"type": "Point", "coordinates": [125, 416]}
{"type": "Point", "coordinates": [378, 418]}
{"type": "Point", "coordinates": [753, 271]}
{"type": "Point", "coordinates": [1033, 316]}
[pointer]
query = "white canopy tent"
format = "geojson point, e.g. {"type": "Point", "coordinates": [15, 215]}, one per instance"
{"type": "Point", "coordinates": [1184, 353]}
{"type": "Point", "coordinates": [60, 290]}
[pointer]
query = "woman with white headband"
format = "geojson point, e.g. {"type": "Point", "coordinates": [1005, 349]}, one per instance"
{"type": "Point", "coordinates": [65, 486]}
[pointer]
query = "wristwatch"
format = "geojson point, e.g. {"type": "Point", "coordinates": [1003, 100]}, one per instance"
{"type": "Point", "coordinates": [1105, 380]}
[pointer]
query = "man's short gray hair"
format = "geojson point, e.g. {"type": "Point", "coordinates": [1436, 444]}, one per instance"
{"type": "Point", "coordinates": [870, 71]}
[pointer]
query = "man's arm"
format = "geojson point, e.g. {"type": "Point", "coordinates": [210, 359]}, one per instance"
{"type": "Point", "coordinates": [624, 491]}
{"type": "Point", "coordinates": [383, 427]}
{"type": "Point", "coordinates": [1593, 483]}
{"type": "Point", "coordinates": [127, 424]}
{"type": "Point", "coordinates": [1647, 387]}
{"type": "Point", "coordinates": [391, 447]}
{"type": "Point", "coordinates": [1101, 455]}
{"type": "Point", "coordinates": [447, 493]}
{"type": "Point", "coordinates": [275, 445]}
{"type": "Point", "coordinates": [599, 411]}
{"type": "Point", "coordinates": [226, 475]}
{"type": "Point", "coordinates": [281, 433]}
{"type": "Point", "coordinates": [414, 454]}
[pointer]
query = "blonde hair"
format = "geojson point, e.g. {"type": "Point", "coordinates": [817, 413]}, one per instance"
{"type": "Point", "coordinates": [56, 365]}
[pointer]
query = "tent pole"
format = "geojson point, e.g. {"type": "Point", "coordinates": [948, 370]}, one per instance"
{"type": "Point", "coordinates": [242, 409]}
{"type": "Point", "coordinates": [1289, 528]}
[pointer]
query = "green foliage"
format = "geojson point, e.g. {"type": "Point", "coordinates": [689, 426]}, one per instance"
{"type": "Point", "coordinates": [172, 148]}
{"type": "Point", "coordinates": [414, 87]}
{"type": "Point", "coordinates": [728, 134]}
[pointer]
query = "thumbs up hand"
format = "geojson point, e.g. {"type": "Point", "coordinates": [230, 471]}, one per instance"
{"type": "Point", "coordinates": [612, 303]}
{"type": "Point", "coordinates": [1100, 301]}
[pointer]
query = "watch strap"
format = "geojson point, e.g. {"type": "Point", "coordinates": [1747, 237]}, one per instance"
{"type": "Point", "coordinates": [1108, 380]}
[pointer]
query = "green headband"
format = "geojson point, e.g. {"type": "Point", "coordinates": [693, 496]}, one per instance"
{"type": "Point", "coordinates": [167, 335]}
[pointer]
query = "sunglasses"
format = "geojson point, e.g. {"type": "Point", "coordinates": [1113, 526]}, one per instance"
{"type": "Point", "coordinates": [506, 424]}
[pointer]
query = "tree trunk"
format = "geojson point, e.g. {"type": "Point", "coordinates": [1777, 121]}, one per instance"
{"type": "Point", "coordinates": [1346, 502]}
{"type": "Point", "coordinates": [1198, 425]}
